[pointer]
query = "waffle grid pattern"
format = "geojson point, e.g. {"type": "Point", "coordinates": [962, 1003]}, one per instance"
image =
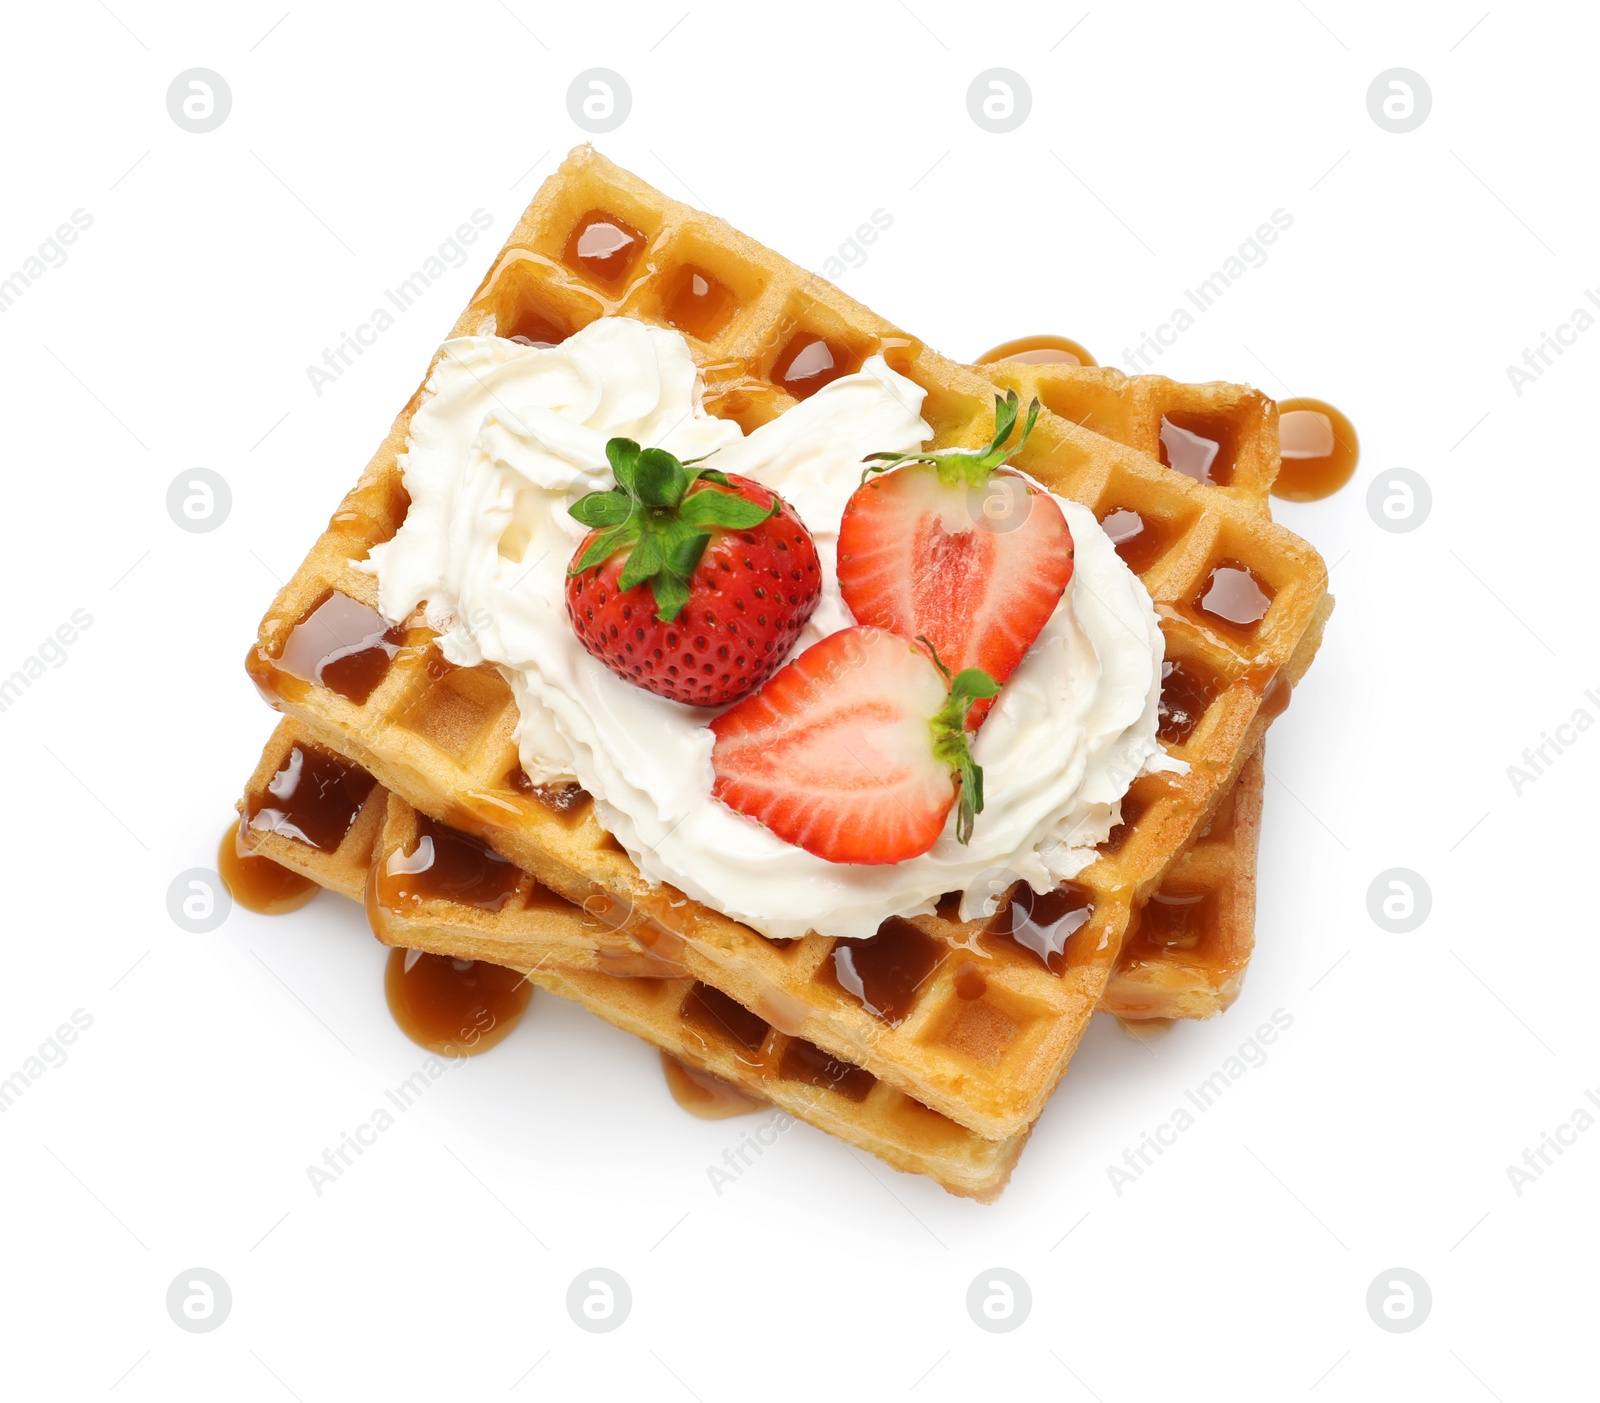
{"type": "Point", "coordinates": [562, 949]}
{"type": "Point", "coordinates": [1201, 977]}
{"type": "Point", "coordinates": [988, 1062]}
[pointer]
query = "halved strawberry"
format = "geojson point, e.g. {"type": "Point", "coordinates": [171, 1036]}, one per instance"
{"type": "Point", "coordinates": [947, 548]}
{"type": "Point", "coordinates": [855, 751]}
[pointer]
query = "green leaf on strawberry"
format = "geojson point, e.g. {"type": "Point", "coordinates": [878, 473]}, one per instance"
{"type": "Point", "coordinates": [856, 750]}
{"type": "Point", "coordinates": [653, 514]}
{"type": "Point", "coordinates": [955, 547]}
{"type": "Point", "coordinates": [961, 466]}
{"type": "Point", "coordinates": [950, 743]}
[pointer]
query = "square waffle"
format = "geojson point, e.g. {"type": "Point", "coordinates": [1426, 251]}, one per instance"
{"type": "Point", "coordinates": [1187, 955]}
{"type": "Point", "coordinates": [331, 822]}
{"type": "Point", "coordinates": [338, 827]}
{"type": "Point", "coordinates": [441, 737]}
{"type": "Point", "coordinates": [324, 817]}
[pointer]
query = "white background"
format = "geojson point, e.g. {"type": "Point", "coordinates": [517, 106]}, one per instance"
{"type": "Point", "coordinates": [217, 1067]}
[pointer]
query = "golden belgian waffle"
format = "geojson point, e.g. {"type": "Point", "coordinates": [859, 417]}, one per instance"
{"type": "Point", "coordinates": [1185, 961]}
{"type": "Point", "coordinates": [441, 737]}
{"type": "Point", "coordinates": [1164, 419]}
{"type": "Point", "coordinates": [1226, 438]}
{"type": "Point", "coordinates": [361, 826]}
{"type": "Point", "coordinates": [510, 919]}
{"type": "Point", "coordinates": [1186, 952]}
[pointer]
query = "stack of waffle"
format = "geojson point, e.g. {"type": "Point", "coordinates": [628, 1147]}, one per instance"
{"type": "Point", "coordinates": [957, 1033]}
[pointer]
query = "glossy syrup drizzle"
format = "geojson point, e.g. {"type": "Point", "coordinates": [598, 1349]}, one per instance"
{"type": "Point", "coordinates": [1174, 919]}
{"type": "Point", "coordinates": [314, 798]}
{"type": "Point", "coordinates": [446, 865]}
{"type": "Point", "coordinates": [338, 643]}
{"type": "Point", "coordinates": [697, 303]}
{"type": "Point", "coordinates": [456, 1008]}
{"type": "Point", "coordinates": [1320, 450]}
{"type": "Point", "coordinates": [1139, 540]}
{"type": "Point", "coordinates": [808, 362]}
{"type": "Point", "coordinates": [805, 1062]}
{"type": "Point", "coordinates": [704, 1094]}
{"type": "Point", "coordinates": [258, 883]}
{"type": "Point", "coordinates": [1234, 597]}
{"type": "Point", "coordinates": [1037, 350]}
{"type": "Point", "coordinates": [885, 971]}
{"type": "Point", "coordinates": [709, 1013]}
{"type": "Point", "coordinates": [604, 248]}
{"type": "Point", "coordinates": [1187, 689]}
{"type": "Point", "coordinates": [1042, 923]}
{"type": "Point", "coordinates": [1199, 446]}
{"type": "Point", "coordinates": [530, 327]}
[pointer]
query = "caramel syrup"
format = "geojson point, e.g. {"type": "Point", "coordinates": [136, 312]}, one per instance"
{"type": "Point", "coordinates": [1037, 350]}
{"type": "Point", "coordinates": [1268, 682]}
{"type": "Point", "coordinates": [704, 1095]}
{"type": "Point", "coordinates": [884, 971]}
{"type": "Point", "coordinates": [809, 362]}
{"type": "Point", "coordinates": [342, 645]}
{"type": "Point", "coordinates": [533, 330]}
{"type": "Point", "coordinates": [314, 798]}
{"type": "Point", "coordinates": [1200, 447]}
{"type": "Point", "coordinates": [446, 865]}
{"type": "Point", "coordinates": [457, 1008]}
{"type": "Point", "coordinates": [805, 1062]}
{"type": "Point", "coordinates": [1042, 923]}
{"type": "Point", "coordinates": [1320, 450]}
{"type": "Point", "coordinates": [697, 303]}
{"type": "Point", "coordinates": [1235, 597]}
{"type": "Point", "coordinates": [1276, 696]}
{"type": "Point", "coordinates": [1174, 919]}
{"type": "Point", "coordinates": [258, 883]}
{"type": "Point", "coordinates": [568, 802]}
{"type": "Point", "coordinates": [1187, 689]}
{"type": "Point", "coordinates": [604, 248]}
{"type": "Point", "coordinates": [1139, 540]}
{"type": "Point", "coordinates": [710, 1012]}
{"type": "Point", "coordinates": [372, 513]}
{"type": "Point", "coordinates": [531, 327]}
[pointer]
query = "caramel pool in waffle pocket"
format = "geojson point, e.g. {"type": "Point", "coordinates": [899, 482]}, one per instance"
{"type": "Point", "coordinates": [441, 737]}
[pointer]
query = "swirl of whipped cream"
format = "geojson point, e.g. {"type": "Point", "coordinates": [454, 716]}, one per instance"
{"type": "Point", "coordinates": [508, 437]}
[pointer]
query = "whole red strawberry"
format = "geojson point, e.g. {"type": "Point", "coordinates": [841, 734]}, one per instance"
{"type": "Point", "coordinates": [952, 547]}
{"type": "Point", "coordinates": [691, 583]}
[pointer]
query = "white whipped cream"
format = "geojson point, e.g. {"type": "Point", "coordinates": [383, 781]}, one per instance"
{"type": "Point", "coordinates": [508, 437]}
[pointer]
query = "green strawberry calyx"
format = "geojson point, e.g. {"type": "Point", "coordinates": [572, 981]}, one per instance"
{"type": "Point", "coordinates": [652, 514]}
{"type": "Point", "coordinates": [950, 743]}
{"type": "Point", "coordinates": [962, 466]}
